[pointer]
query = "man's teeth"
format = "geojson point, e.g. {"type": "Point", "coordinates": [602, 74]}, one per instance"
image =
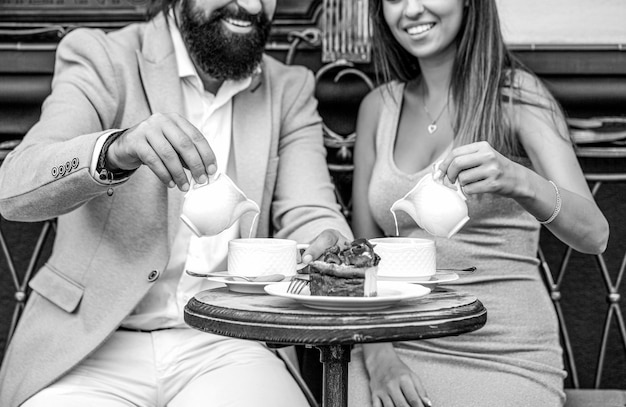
{"type": "Point", "coordinates": [238, 23]}
{"type": "Point", "coordinates": [419, 29]}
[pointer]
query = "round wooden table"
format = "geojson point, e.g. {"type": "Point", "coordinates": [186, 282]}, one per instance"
{"type": "Point", "coordinates": [277, 320]}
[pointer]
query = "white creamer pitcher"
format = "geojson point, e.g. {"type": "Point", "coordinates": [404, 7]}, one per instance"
{"type": "Point", "coordinates": [211, 208]}
{"type": "Point", "coordinates": [436, 208]}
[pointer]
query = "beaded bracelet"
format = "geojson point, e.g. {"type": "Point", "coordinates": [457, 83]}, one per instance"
{"type": "Point", "coordinates": [557, 206]}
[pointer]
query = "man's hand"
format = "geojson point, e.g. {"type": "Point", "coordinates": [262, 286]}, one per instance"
{"type": "Point", "coordinates": [166, 143]}
{"type": "Point", "coordinates": [323, 241]}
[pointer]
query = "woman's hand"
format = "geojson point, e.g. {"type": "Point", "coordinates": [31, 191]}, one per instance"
{"type": "Point", "coordinates": [392, 382]}
{"type": "Point", "coordinates": [166, 143]}
{"type": "Point", "coordinates": [480, 169]}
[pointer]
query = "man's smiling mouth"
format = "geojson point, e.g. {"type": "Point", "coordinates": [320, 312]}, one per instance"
{"type": "Point", "coordinates": [238, 23]}
{"type": "Point", "coordinates": [238, 26]}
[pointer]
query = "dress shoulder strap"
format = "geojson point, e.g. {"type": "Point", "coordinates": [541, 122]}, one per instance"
{"type": "Point", "coordinates": [387, 130]}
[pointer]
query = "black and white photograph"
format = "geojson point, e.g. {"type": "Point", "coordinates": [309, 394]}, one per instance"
{"type": "Point", "coordinates": [312, 203]}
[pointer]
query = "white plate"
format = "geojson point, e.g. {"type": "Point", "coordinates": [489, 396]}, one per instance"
{"type": "Point", "coordinates": [389, 293]}
{"type": "Point", "coordinates": [440, 277]}
{"type": "Point", "coordinates": [240, 286]}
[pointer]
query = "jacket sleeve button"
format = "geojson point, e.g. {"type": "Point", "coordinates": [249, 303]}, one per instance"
{"type": "Point", "coordinates": [154, 274]}
{"type": "Point", "coordinates": [110, 192]}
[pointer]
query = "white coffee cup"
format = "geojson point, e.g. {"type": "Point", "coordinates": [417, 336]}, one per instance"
{"type": "Point", "coordinates": [262, 256]}
{"type": "Point", "coordinates": [403, 258]}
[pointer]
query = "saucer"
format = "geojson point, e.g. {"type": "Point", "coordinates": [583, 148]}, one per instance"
{"type": "Point", "coordinates": [241, 286]}
{"type": "Point", "coordinates": [439, 277]}
{"type": "Point", "coordinates": [389, 293]}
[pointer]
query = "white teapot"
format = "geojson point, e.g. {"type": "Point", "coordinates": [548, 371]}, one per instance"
{"type": "Point", "coordinates": [435, 207]}
{"type": "Point", "coordinates": [211, 208]}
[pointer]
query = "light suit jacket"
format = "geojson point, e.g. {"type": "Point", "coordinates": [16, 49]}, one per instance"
{"type": "Point", "coordinates": [113, 241]}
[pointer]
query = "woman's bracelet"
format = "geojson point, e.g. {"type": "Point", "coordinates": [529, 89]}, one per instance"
{"type": "Point", "coordinates": [557, 206]}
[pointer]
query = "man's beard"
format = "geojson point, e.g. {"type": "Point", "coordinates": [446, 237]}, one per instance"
{"type": "Point", "coordinates": [220, 53]}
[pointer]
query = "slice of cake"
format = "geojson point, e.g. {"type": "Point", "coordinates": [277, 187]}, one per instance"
{"type": "Point", "coordinates": [348, 272]}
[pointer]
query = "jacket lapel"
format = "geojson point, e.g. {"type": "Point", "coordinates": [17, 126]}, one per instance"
{"type": "Point", "coordinates": [159, 74]}
{"type": "Point", "coordinates": [252, 140]}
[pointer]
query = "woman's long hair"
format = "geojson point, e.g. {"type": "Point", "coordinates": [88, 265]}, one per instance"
{"type": "Point", "coordinates": [482, 77]}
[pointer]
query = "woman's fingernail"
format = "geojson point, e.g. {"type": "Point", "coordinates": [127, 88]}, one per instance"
{"type": "Point", "coordinates": [185, 187]}
{"type": "Point", "coordinates": [211, 169]}
{"type": "Point", "coordinates": [427, 401]}
{"type": "Point", "coordinates": [202, 179]}
{"type": "Point", "coordinates": [171, 184]}
{"type": "Point", "coordinates": [307, 258]}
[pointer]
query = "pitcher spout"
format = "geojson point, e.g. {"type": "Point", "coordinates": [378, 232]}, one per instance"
{"type": "Point", "coordinates": [407, 206]}
{"type": "Point", "coordinates": [245, 206]}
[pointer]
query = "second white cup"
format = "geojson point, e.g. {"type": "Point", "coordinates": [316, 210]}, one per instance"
{"type": "Point", "coordinates": [403, 258]}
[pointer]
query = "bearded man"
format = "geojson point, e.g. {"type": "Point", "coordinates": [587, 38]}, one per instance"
{"type": "Point", "coordinates": [134, 118]}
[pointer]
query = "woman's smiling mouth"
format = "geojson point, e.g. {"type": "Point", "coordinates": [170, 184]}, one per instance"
{"type": "Point", "coordinates": [419, 29]}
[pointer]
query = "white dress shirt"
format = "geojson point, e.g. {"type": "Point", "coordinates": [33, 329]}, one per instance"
{"type": "Point", "coordinates": [163, 306]}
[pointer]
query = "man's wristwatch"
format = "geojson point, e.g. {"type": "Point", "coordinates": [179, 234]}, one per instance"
{"type": "Point", "coordinates": [103, 168]}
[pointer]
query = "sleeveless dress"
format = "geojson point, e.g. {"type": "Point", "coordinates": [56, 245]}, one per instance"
{"type": "Point", "coordinates": [516, 358]}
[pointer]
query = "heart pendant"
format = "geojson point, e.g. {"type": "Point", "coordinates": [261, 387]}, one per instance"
{"type": "Point", "coordinates": [432, 128]}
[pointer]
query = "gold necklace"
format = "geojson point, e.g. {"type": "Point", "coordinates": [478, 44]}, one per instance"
{"type": "Point", "coordinates": [432, 127]}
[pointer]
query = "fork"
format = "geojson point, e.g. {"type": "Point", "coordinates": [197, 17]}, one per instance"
{"type": "Point", "coordinates": [297, 284]}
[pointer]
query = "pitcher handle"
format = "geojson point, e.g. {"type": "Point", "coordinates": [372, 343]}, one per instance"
{"type": "Point", "coordinates": [438, 177]}
{"type": "Point", "coordinates": [193, 184]}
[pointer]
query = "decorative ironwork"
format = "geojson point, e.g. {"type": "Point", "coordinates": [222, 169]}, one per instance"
{"type": "Point", "coordinates": [341, 163]}
{"type": "Point", "coordinates": [310, 36]}
{"type": "Point", "coordinates": [20, 280]}
{"type": "Point", "coordinates": [613, 312]}
{"type": "Point", "coordinates": [346, 31]}
{"type": "Point", "coordinates": [332, 139]}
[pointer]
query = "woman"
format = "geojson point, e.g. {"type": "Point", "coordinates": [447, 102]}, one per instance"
{"type": "Point", "coordinates": [454, 93]}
